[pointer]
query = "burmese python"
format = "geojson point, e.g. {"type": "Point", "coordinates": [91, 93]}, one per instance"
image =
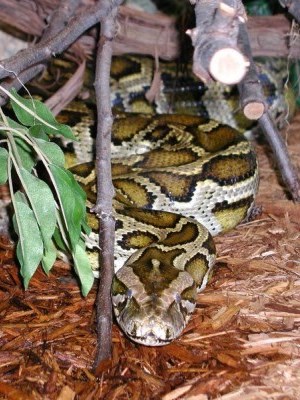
{"type": "Point", "coordinates": [180, 180]}
{"type": "Point", "coordinates": [177, 91]}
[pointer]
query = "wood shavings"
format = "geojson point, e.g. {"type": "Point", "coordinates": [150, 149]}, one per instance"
{"type": "Point", "coordinates": [242, 342]}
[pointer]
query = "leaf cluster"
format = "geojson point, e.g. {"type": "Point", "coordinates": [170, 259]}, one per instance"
{"type": "Point", "coordinates": [50, 212]}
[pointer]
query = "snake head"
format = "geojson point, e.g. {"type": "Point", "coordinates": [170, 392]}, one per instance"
{"type": "Point", "coordinates": [150, 314]}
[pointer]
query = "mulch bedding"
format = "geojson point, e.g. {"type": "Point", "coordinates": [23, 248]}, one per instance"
{"type": "Point", "coordinates": [241, 343]}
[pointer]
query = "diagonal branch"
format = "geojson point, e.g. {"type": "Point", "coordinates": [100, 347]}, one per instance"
{"type": "Point", "coordinates": [58, 43]}
{"type": "Point", "coordinates": [57, 22]}
{"type": "Point", "coordinates": [255, 107]}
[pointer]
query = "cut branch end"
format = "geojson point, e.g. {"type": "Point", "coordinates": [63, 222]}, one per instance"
{"type": "Point", "coordinates": [228, 66]}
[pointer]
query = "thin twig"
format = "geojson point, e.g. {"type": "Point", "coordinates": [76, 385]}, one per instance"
{"type": "Point", "coordinates": [105, 189]}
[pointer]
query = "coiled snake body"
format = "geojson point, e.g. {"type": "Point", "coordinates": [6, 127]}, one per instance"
{"type": "Point", "coordinates": [181, 179]}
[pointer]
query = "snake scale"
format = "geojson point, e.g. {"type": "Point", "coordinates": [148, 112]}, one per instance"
{"type": "Point", "coordinates": [180, 179]}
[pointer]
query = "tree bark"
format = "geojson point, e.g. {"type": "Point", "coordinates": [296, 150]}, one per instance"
{"type": "Point", "coordinates": [105, 189]}
{"type": "Point", "coordinates": [216, 54]}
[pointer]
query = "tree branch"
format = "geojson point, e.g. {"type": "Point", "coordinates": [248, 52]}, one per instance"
{"type": "Point", "coordinates": [285, 166]}
{"type": "Point", "coordinates": [216, 53]}
{"type": "Point", "coordinates": [252, 99]}
{"type": "Point", "coordinates": [58, 21]}
{"type": "Point", "coordinates": [56, 44]}
{"type": "Point", "coordinates": [254, 106]}
{"type": "Point", "coordinates": [105, 189]}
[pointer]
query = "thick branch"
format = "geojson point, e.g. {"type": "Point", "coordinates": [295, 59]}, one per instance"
{"type": "Point", "coordinates": [145, 33]}
{"type": "Point", "coordinates": [252, 99]}
{"type": "Point", "coordinates": [216, 53]}
{"type": "Point", "coordinates": [105, 190]}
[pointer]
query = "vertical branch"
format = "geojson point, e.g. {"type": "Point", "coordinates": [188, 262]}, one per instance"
{"type": "Point", "coordinates": [105, 190]}
{"type": "Point", "coordinates": [216, 54]}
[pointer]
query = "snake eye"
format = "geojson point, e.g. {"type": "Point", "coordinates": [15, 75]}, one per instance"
{"type": "Point", "coordinates": [128, 294]}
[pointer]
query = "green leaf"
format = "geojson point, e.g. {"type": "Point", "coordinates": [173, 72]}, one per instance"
{"type": "Point", "coordinates": [26, 154]}
{"type": "Point", "coordinates": [14, 124]}
{"type": "Point", "coordinates": [3, 165]}
{"type": "Point", "coordinates": [59, 240]}
{"type": "Point", "coordinates": [52, 151]}
{"type": "Point", "coordinates": [49, 257]}
{"type": "Point", "coordinates": [37, 131]}
{"type": "Point", "coordinates": [30, 244]}
{"type": "Point", "coordinates": [32, 112]}
{"type": "Point", "coordinates": [72, 200]}
{"type": "Point", "coordinates": [83, 269]}
{"type": "Point", "coordinates": [42, 203]}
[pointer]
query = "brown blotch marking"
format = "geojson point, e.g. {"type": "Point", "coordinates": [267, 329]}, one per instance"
{"type": "Point", "coordinates": [83, 170]}
{"type": "Point", "coordinates": [137, 240]}
{"type": "Point", "coordinates": [167, 158]}
{"type": "Point", "coordinates": [229, 169]}
{"type": "Point", "coordinates": [197, 267]}
{"type": "Point", "coordinates": [125, 129]}
{"type": "Point", "coordinates": [188, 233]}
{"type": "Point", "coordinates": [121, 66]}
{"type": "Point", "coordinates": [218, 138]}
{"type": "Point", "coordinates": [155, 269]}
{"type": "Point", "coordinates": [190, 294]}
{"type": "Point", "coordinates": [93, 222]}
{"type": "Point", "coordinates": [155, 133]}
{"type": "Point", "coordinates": [176, 187]}
{"type": "Point", "coordinates": [158, 219]}
{"type": "Point", "coordinates": [134, 192]}
{"type": "Point", "coordinates": [209, 244]}
{"type": "Point", "coordinates": [230, 215]}
{"type": "Point", "coordinates": [181, 119]}
{"type": "Point", "coordinates": [120, 169]}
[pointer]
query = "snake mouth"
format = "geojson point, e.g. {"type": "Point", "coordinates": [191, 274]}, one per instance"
{"type": "Point", "coordinates": [150, 340]}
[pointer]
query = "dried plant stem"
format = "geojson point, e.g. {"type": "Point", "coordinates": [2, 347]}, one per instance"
{"type": "Point", "coordinates": [105, 189]}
